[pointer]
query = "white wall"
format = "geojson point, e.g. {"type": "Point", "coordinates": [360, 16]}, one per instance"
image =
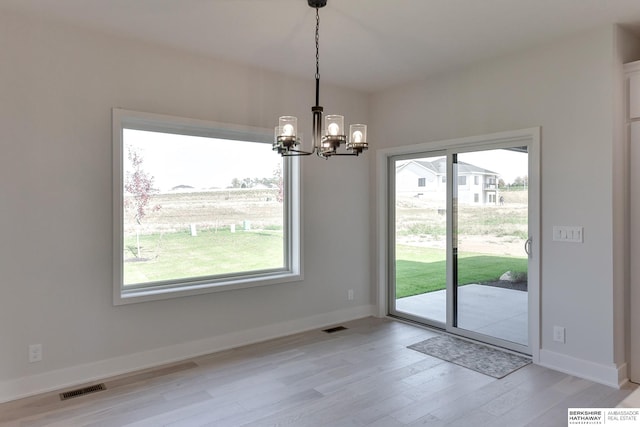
{"type": "Point", "coordinates": [569, 88]}
{"type": "Point", "coordinates": [57, 88]}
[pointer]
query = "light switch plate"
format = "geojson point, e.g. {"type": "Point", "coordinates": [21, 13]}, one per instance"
{"type": "Point", "coordinates": [568, 233]}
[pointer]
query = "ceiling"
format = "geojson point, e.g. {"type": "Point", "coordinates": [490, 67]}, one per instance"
{"type": "Point", "coordinates": [364, 44]}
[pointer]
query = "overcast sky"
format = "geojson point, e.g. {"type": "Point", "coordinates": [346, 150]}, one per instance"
{"type": "Point", "coordinates": [507, 163]}
{"type": "Point", "coordinates": [204, 163]}
{"type": "Point", "coordinates": [199, 162]}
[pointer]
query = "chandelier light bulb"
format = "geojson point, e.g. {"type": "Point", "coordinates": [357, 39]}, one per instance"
{"type": "Point", "coordinates": [335, 125]}
{"type": "Point", "coordinates": [287, 130]}
{"type": "Point", "coordinates": [288, 126]}
{"type": "Point", "coordinates": [357, 138]}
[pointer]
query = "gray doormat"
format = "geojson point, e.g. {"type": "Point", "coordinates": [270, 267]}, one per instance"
{"type": "Point", "coordinates": [480, 358]}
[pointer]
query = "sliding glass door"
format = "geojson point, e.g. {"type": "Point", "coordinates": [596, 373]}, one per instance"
{"type": "Point", "coordinates": [460, 239]}
{"type": "Point", "coordinates": [490, 239]}
{"type": "Point", "coordinates": [420, 238]}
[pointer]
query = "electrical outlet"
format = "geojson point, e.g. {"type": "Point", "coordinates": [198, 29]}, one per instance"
{"type": "Point", "coordinates": [35, 353]}
{"type": "Point", "coordinates": [350, 294]}
{"type": "Point", "coordinates": [558, 334]}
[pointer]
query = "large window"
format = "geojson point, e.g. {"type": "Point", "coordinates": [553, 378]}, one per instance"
{"type": "Point", "coordinates": [200, 207]}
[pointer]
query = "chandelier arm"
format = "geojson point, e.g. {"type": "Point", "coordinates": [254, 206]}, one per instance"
{"type": "Point", "coordinates": [292, 153]}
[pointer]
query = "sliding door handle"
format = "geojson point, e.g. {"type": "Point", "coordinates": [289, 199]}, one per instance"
{"type": "Point", "coordinates": [527, 246]}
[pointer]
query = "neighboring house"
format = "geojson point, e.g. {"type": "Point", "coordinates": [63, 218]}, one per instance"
{"type": "Point", "coordinates": [427, 179]}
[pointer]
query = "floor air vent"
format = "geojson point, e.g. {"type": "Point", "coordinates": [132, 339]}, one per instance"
{"type": "Point", "coordinates": [336, 329]}
{"type": "Point", "coordinates": [82, 391]}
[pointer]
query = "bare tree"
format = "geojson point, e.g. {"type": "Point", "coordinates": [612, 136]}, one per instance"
{"type": "Point", "coordinates": [139, 185]}
{"type": "Point", "coordinates": [521, 181]}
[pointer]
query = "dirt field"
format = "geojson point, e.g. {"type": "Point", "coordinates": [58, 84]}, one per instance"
{"type": "Point", "coordinates": [492, 229]}
{"type": "Point", "coordinates": [256, 208]}
{"type": "Point", "coordinates": [495, 229]}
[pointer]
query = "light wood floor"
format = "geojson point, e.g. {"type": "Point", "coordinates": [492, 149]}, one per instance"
{"type": "Point", "coordinates": [361, 376]}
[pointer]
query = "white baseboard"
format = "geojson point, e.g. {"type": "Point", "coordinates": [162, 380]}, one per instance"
{"type": "Point", "coordinates": [607, 374]}
{"type": "Point", "coordinates": [76, 375]}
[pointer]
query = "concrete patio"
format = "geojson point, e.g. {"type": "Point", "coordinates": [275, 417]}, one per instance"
{"type": "Point", "coordinates": [497, 312]}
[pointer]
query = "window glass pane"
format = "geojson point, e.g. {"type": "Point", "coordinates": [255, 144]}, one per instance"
{"type": "Point", "coordinates": [196, 207]}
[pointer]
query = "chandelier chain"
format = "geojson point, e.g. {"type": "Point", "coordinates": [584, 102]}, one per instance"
{"type": "Point", "coordinates": [317, 44]}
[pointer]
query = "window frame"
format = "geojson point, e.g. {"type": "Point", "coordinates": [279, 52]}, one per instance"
{"type": "Point", "coordinates": [292, 211]}
{"type": "Point", "coordinates": [422, 182]}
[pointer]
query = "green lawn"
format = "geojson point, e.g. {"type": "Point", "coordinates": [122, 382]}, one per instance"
{"type": "Point", "coordinates": [420, 270]}
{"type": "Point", "coordinates": [177, 255]}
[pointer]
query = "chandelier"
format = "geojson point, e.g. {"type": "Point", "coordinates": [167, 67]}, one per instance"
{"type": "Point", "coordinates": [327, 140]}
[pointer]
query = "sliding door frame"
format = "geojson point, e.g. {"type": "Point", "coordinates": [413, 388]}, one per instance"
{"type": "Point", "coordinates": [525, 137]}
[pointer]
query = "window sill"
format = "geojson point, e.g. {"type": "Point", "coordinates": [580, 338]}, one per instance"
{"type": "Point", "coordinates": [132, 296]}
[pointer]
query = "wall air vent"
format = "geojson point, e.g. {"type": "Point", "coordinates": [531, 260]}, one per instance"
{"type": "Point", "coordinates": [82, 391]}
